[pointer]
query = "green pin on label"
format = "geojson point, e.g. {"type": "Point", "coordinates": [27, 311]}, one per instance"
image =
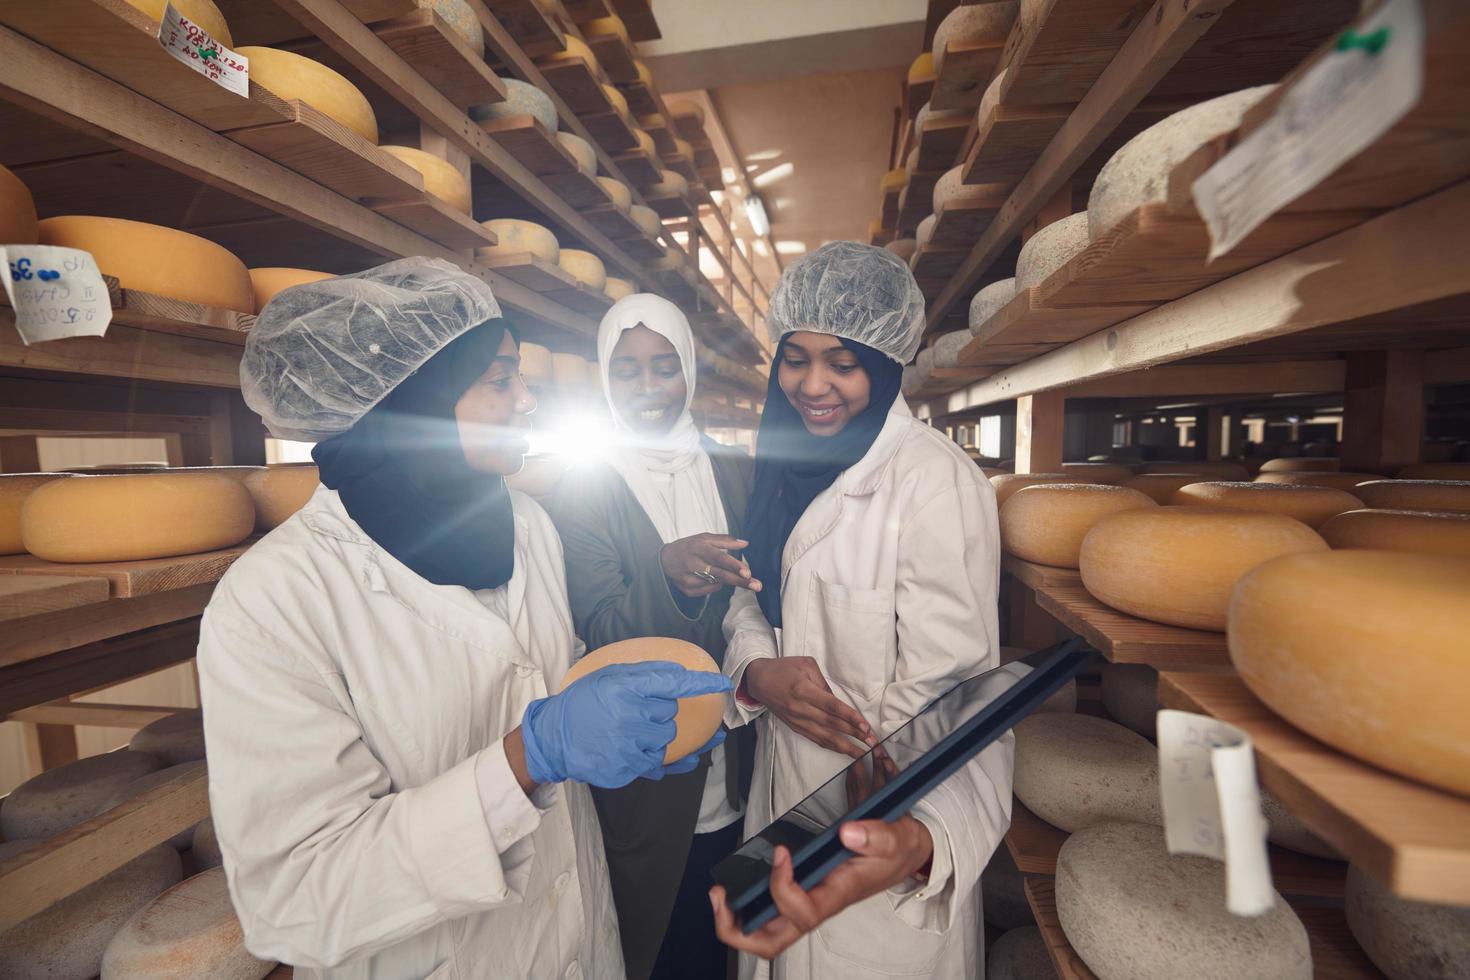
{"type": "Point", "coordinates": [1371, 43]}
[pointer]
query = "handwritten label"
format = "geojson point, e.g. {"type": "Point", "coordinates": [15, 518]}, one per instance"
{"type": "Point", "coordinates": [56, 292]}
{"type": "Point", "coordinates": [1333, 112]}
{"type": "Point", "coordinates": [1212, 807]}
{"type": "Point", "coordinates": [191, 44]}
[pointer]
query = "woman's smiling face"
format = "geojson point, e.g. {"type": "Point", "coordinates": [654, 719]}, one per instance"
{"type": "Point", "coordinates": [645, 381]}
{"type": "Point", "coordinates": [823, 381]}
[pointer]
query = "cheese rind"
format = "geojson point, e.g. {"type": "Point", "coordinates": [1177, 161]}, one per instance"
{"type": "Point", "coordinates": [175, 739]}
{"type": "Point", "coordinates": [894, 180]}
{"type": "Point", "coordinates": [1337, 481]}
{"type": "Point", "coordinates": [189, 931]}
{"type": "Point", "coordinates": [60, 798]}
{"type": "Point", "coordinates": [585, 267]}
{"type": "Point", "coordinates": [646, 219]}
{"type": "Point", "coordinates": [521, 99]}
{"type": "Point", "coordinates": [616, 288]}
{"type": "Point", "coordinates": [205, 15]}
{"type": "Point", "coordinates": [292, 76]}
{"type": "Point", "coordinates": [921, 67]}
{"type": "Point", "coordinates": [18, 222]}
{"type": "Point", "coordinates": [1115, 474]}
{"type": "Point", "coordinates": [14, 489]}
{"type": "Point", "coordinates": [280, 491]}
{"type": "Point", "coordinates": [989, 301]}
{"type": "Point", "coordinates": [575, 48]}
{"type": "Point", "coordinates": [978, 23]}
{"type": "Point", "coordinates": [617, 100]}
{"type": "Point", "coordinates": [517, 237]}
{"type": "Point", "coordinates": [645, 143]}
{"type": "Point", "coordinates": [441, 178]}
{"type": "Point", "coordinates": [1406, 939]}
{"type": "Point", "coordinates": [1076, 770]}
{"type": "Point", "coordinates": [670, 184]}
{"type": "Point", "coordinates": [1046, 523]}
{"type": "Point", "coordinates": [1160, 486]}
{"type": "Point", "coordinates": [204, 845]}
{"type": "Point", "coordinates": [1301, 464]}
{"type": "Point", "coordinates": [1006, 484]}
{"type": "Point", "coordinates": [904, 248]}
{"type": "Point", "coordinates": [1049, 249]}
{"type": "Point", "coordinates": [622, 197]}
{"type": "Point", "coordinates": [1422, 531]}
{"type": "Point", "coordinates": [1447, 495]}
{"type": "Point", "coordinates": [461, 19]}
{"type": "Point", "coordinates": [1311, 505]}
{"type": "Point", "coordinates": [267, 281]}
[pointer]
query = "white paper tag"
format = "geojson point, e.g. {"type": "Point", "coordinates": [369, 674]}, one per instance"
{"type": "Point", "coordinates": [56, 292]}
{"type": "Point", "coordinates": [1212, 807]}
{"type": "Point", "coordinates": [1332, 113]}
{"type": "Point", "coordinates": [189, 43]}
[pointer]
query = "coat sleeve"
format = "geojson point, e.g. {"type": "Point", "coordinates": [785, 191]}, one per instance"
{"type": "Point", "coordinates": [325, 861]}
{"type": "Point", "coordinates": [748, 637]}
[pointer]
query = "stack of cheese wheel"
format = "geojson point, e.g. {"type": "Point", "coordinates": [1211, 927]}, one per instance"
{"type": "Point", "coordinates": [1076, 770]}
{"type": "Point", "coordinates": [1160, 486]}
{"type": "Point", "coordinates": [441, 178]}
{"type": "Point", "coordinates": [1049, 249]}
{"type": "Point", "coordinates": [175, 738]}
{"type": "Point", "coordinates": [1313, 506]}
{"type": "Point", "coordinates": [1114, 473]}
{"type": "Point", "coordinates": [974, 24]}
{"type": "Point", "coordinates": [279, 491]}
{"type": "Point", "coordinates": [581, 152]}
{"type": "Point", "coordinates": [460, 17]}
{"type": "Point", "coordinates": [143, 515]}
{"type": "Point", "coordinates": [697, 717]}
{"type": "Point", "coordinates": [68, 938]}
{"type": "Point", "coordinates": [585, 267]}
{"type": "Point", "coordinates": [1449, 495]}
{"type": "Point", "coordinates": [1138, 173]}
{"type": "Point", "coordinates": [521, 99]}
{"type": "Point", "coordinates": [159, 260]}
{"type": "Point", "coordinates": [1427, 532]}
{"type": "Point", "coordinates": [618, 191]}
{"type": "Point", "coordinates": [18, 223]}
{"type": "Point", "coordinates": [570, 372]}
{"type": "Point", "coordinates": [1301, 464]}
{"type": "Point", "coordinates": [989, 301]}
{"type": "Point", "coordinates": [517, 238]}
{"type": "Point", "coordinates": [1209, 470]}
{"type": "Point", "coordinates": [670, 184]}
{"type": "Point", "coordinates": [1363, 650]}
{"type": "Point", "coordinates": [205, 15]}
{"type": "Point", "coordinates": [1132, 911]}
{"type": "Point", "coordinates": [535, 363]}
{"type": "Point", "coordinates": [143, 784]}
{"type": "Point", "coordinates": [270, 280]}
{"type": "Point", "coordinates": [1008, 483]}
{"type": "Point", "coordinates": [1046, 523]}
{"type": "Point", "coordinates": [1435, 471]}
{"type": "Point", "coordinates": [616, 288]}
{"type": "Point", "coordinates": [60, 798]}
{"type": "Point", "coordinates": [1177, 565]}
{"type": "Point", "coordinates": [189, 931]}
{"type": "Point", "coordinates": [646, 219]}
{"type": "Point", "coordinates": [1407, 939]}
{"type": "Point", "coordinates": [1339, 481]}
{"type": "Point", "coordinates": [14, 489]}
{"type": "Point", "coordinates": [291, 76]}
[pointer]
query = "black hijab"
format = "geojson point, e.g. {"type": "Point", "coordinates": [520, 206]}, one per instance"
{"type": "Point", "coordinates": [792, 466]}
{"type": "Point", "coordinates": [401, 473]}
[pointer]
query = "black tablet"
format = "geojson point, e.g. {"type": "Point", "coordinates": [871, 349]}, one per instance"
{"type": "Point", "coordinates": [886, 782]}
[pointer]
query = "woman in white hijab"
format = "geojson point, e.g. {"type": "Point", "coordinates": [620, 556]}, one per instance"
{"type": "Point", "coordinates": [648, 533]}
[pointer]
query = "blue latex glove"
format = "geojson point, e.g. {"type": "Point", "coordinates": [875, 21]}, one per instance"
{"type": "Point", "coordinates": [612, 726]}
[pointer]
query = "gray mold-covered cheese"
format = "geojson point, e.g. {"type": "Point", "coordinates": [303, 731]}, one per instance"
{"type": "Point", "coordinates": [1405, 939]}
{"type": "Point", "coordinates": [60, 798]}
{"type": "Point", "coordinates": [1074, 771]}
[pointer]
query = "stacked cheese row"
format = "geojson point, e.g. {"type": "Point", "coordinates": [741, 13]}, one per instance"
{"type": "Point", "coordinates": [569, 373]}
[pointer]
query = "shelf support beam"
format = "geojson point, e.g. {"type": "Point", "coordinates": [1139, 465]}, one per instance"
{"type": "Point", "coordinates": [1040, 424]}
{"type": "Point", "coordinates": [1383, 410]}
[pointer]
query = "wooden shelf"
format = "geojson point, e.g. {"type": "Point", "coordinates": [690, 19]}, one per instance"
{"type": "Point", "coordinates": [933, 264]}
{"type": "Point", "coordinates": [671, 206]}
{"type": "Point", "coordinates": [578, 83]}
{"type": "Point", "coordinates": [24, 596]}
{"type": "Point", "coordinates": [1413, 837]}
{"type": "Point", "coordinates": [532, 145]}
{"type": "Point", "coordinates": [940, 142]}
{"type": "Point", "coordinates": [611, 130]}
{"type": "Point", "coordinates": [642, 247]}
{"type": "Point", "coordinates": [640, 167]}
{"type": "Point", "coordinates": [1125, 639]}
{"type": "Point", "coordinates": [968, 68]}
{"type": "Point", "coordinates": [424, 40]}
{"type": "Point", "coordinates": [126, 352]}
{"type": "Point", "coordinates": [1042, 896]}
{"type": "Point", "coordinates": [133, 579]}
{"type": "Point", "coordinates": [916, 93]}
{"type": "Point", "coordinates": [643, 100]}
{"type": "Point", "coordinates": [533, 272]}
{"type": "Point", "coordinates": [916, 200]}
{"type": "Point", "coordinates": [1033, 842]}
{"type": "Point", "coordinates": [614, 55]}
{"type": "Point", "coordinates": [536, 31]}
{"type": "Point", "coordinates": [581, 11]}
{"type": "Point", "coordinates": [615, 223]}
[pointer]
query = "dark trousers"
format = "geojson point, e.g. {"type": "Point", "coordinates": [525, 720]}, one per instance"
{"type": "Point", "coordinates": [690, 949]}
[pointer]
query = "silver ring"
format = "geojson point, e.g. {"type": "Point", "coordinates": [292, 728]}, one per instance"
{"type": "Point", "coordinates": [707, 576]}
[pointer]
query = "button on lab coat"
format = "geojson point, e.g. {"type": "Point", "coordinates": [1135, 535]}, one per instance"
{"type": "Point", "coordinates": [347, 702]}
{"type": "Point", "coordinates": [889, 583]}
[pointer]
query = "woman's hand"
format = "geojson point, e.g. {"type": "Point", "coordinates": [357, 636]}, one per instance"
{"type": "Point", "coordinates": [701, 565]}
{"type": "Point", "coordinates": [795, 691]}
{"type": "Point", "coordinates": [886, 854]}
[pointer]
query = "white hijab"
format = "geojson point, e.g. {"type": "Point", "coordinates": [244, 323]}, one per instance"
{"type": "Point", "coordinates": [670, 475]}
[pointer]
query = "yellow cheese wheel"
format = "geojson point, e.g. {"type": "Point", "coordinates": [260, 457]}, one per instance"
{"type": "Point", "coordinates": [576, 48]}
{"type": "Point", "coordinates": [1301, 464]}
{"type": "Point", "coordinates": [441, 178]}
{"type": "Point", "coordinates": [894, 180]}
{"type": "Point", "coordinates": [1006, 484]}
{"type": "Point", "coordinates": [535, 363]}
{"type": "Point", "coordinates": [670, 184]}
{"type": "Point", "coordinates": [582, 152]}
{"type": "Point", "coordinates": [644, 75]}
{"type": "Point", "coordinates": [1339, 481]}
{"type": "Point", "coordinates": [922, 67]}
{"type": "Point", "coordinates": [645, 142]}
{"type": "Point", "coordinates": [616, 99]}
{"type": "Point", "coordinates": [1177, 565]}
{"type": "Point", "coordinates": [158, 260]}
{"type": "Point", "coordinates": [14, 489]}
{"type": "Point", "coordinates": [698, 718]}
{"type": "Point", "coordinates": [1313, 506]}
{"type": "Point", "coordinates": [1435, 471]}
{"type": "Point", "coordinates": [622, 197]}
{"type": "Point", "coordinates": [1114, 473]}
{"type": "Point", "coordinates": [1451, 495]}
{"type": "Point", "coordinates": [269, 280]}
{"type": "Point", "coordinates": [18, 224]}
{"type": "Point", "coordinates": [143, 515]}
{"type": "Point", "coordinates": [616, 288]}
{"type": "Point", "coordinates": [1046, 523]}
{"type": "Point", "coordinates": [292, 76]}
{"type": "Point", "coordinates": [517, 237]}
{"type": "Point", "coordinates": [569, 371]}
{"type": "Point", "coordinates": [1160, 486]}
{"type": "Point", "coordinates": [1427, 532]}
{"type": "Point", "coordinates": [600, 26]}
{"type": "Point", "coordinates": [688, 107]}
{"type": "Point", "coordinates": [646, 219]}
{"type": "Point", "coordinates": [280, 491]}
{"type": "Point", "coordinates": [585, 267]}
{"type": "Point", "coordinates": [1221, 470]}
{"type": "Point", "coordinates": [684, 149]}
{"type": "Point", "coordinates": [1364, 650]}
{"type": "Point", "coordinates": [203, 13]}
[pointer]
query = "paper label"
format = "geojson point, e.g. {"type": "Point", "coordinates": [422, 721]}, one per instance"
{"type": "Point", "coordinates": [56, 292]}
{"type": "Point", "coordinates": [1333, 112]}
{"type": "Point", "coordinates": [1212, 806]}
{"type": "Point", "coordinates": [189, 43]}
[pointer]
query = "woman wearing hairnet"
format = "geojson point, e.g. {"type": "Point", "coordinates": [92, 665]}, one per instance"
{"type": "Point", "coordinates": [383, 753]}
{"type": "Point", "coordinates": [875, 540]}
{"type": "Point", "coordinates": [647, 538]}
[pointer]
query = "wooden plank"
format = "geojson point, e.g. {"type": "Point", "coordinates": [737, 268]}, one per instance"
{"type": "Point", "coordinates": [934, 261]}
{"type": "Point", "coordinates": [1383, 410]}
{"type": "Point", "coordinates": [671, 206]}
{"type": "Point", "coordinates": [532, 27]}
{"type": "Point", "coordinates": [966, 70]}
{"type": "Point", "coordinates": [126, 352]}
{"type": "Point", "coordinates": [74, 669]}
{"type": "Point", "coordinates": [148, 311]}
{"type": "Point", "coordinates": [1125, 639]}
{"type": "Point", "coordinates": [425, 41]}
{"type": "Point", "coordinates": [1036, 576]}
{"type": "Point", "coordinates": [962, 220]}
{"type": "Point", "coordinates": [638, 18]}
{"type": "Point", "coordinates": [614, 55]}
{"type": "Point", "coordinates": [578, 83]}
{"type": "Point", "coordinates": [615, 223]}
{"type": "Point", "coordinates": [132, 579]}
{"type": "Point", "coordinates": [583, 299]}
{"type": "Point", "coordinates": [65, 712]}
{"type": "Point", "coordinates": [642, 100]}
{"type": "Point", "coordinates": [23, 596]}
{"type": "Point", "coordinates": [264, 23]}
{"type": "Point", "coordinates": [1195, 380]}
{"type": "Point", "coordinates": [532, 272]}
{"type": "Point", "coordinates": [1039, 427]}
{"type": "Point", "coordinates": [48, 633]}
{"type": "Point", "coordinates": [1414, 838]}
{"type": "Point", "coordinates": [1009, 139]}
{"type": "Point", "coordinates": [611, 130]}
{"type": "Point", "coordinates": [437, 221]}
{"type": "Point", "coordinates": [641, 167]}
{"type": "Point", "coordinates": [534, 146]}
{"type": "Point", "coordinates": [940, 142]}
{"type": "Point", "coordinates": [581, 11]}
{"type": "Point", "coordinates": [1059, 48]}
{"type": "Point", "coordinates": [1033, 842]}
{"type": "Point", "coordinates": [1041, 894]}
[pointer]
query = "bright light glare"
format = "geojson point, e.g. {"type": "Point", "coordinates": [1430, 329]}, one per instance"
{"type": "Point", "coordinates": [790, 248]}
{"type": "Point", "coordinates": [760, 248]}
{"type": "Point", "coordinates": [763, 155]}
{"type": "Point", "coordinates": [779, 172]}
{"type": "Point", "coordinates": [577, 436]}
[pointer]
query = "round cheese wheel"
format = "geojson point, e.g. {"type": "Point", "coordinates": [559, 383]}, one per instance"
{"type": "Point", "coordinates": [622, 197]}
{"type": "Point", "coordinates": [1285, 829]}
{"type": "Point", "coordinates": [1006, 484]}
{"type": "Point", "coordinates": [291, 76]}
{"type": "Point", "coordinates": [18, 223]}
{"type": "Point", "coordinates": [441, 178]}
{"type": "Point", "coordinates": [1313, 506]}
{"type": "Point", "coordinates": [158, 260]}
{"type": "Point", "coordinates": [175, 739]}
{"type": "Point", "coordinates": [584, 266]}
{"type": "Point", "coordinates": [1301, 464]}
{"type": "Point", "coordinates": [948, 347]}
{"type": "Point", "coordinates": [143, 784]}
{"type": "Point", "coordinates": [991, 99]}
{"type": "Point", "coordinates": [670, 184]}
{"type": "Point", "coordinates": [925, 231]}
{"type": "Point", "coordinates": [189, 931]}
{"type": "Point", "coordinates": [948, 187]}
{"type": "Point", "coordinates": [616, 288]}
{"type": "Point", "coordinates": [980, 23]}
{"type": "Point", "coordinates": [1114, 473]}
{"type": "Point", "coordinates": [269, 280]}
{"type": "Point", "coordinates": [1213, 470]}
{"type": "Point", "coordinates": [1047, 522]}
{"type": "Point", "coordinates": [924, 361]}
{"type": "Point", "coordinates": [1020, 954]}
{"type": "Point", "coordinates": [904, 248]}
{"type": "Point", "coordinates": [1364, 651]}
{"type": "Point", "coordinates": [1130, 693]}
{"type": "Point", "coordinates": [238, 473]}
{"type": "Point", "coordinates": [617, 100]}
{"type": "Point", "coordinates": [928, 114]}
{"type": "Point", "coordinates": [1424, 531]}
{"type": "Point", "coordinates": [894, 180]}
{"type": "Point", "coordinates": [58, 799]}
{"type": "Point", "coordinates": [921, 67]}
{"type": "Point", "coordinates": [582, 152]}
{"type": "Point", "coordinates": [646, 219]}
{"type": "Point", "coordinates": [697, 719]}
{"type": "Point", "coordinates": [142, 515]}
{"type": "Point", "coordinates": [989, 301]}
{"type": "Point", "coordinates": [517, 237]}
{"type": "Point", "coordinates": [910, 383]}
{"type": "Point", "coordinates": [1435, 471]}
{"type": "Point", "coordinates": [461, 19]}
{"type": "Point", "coordinates": [1049, 249]}
{"type": "Point", "coordinates": [687, 107]}
{"type": "Point", "coordinates": [66, 941]}
{"type": "Point", "coordinates": [521, 99]}
{"type": "Point", "coordinates": [645, 75]}
{"type": "Point", "coordinates": [1003, 892]}
{"type": "Point", "coordinates": [205, 15]}
{"type": "Point", "coordinates": [575, 48]}
{"type": "Point", "coordinates": [1177, 565]}
{"type": "Point", "coordinates": [1340, 481]}
{"type": "Point", "coordinates": [1138, 173]}
{"type": "Point", "coordinates": [1160, 486]}
{"type": "Point", "coordinates": [645, 143]}
{"type": "Point", "coordinates": [600, 26]}
{"type": "Point", "coordinates": [1448, 495]}
{"type": "Point", "coordinates": [14, 489]}
{"type": "Point", "coordinates": [569, 371]}
{"type": "Point", "coordinates": [1132, 911]}
{"type": "Point", "coordinates": [279, 491]}
{"type": "Point", "coordinates": [684, 149]}
{"type": "Point", "coordinates": [1407, 939]}
{"type": "Point", "coordinates": [204, 845]}
{"type": "Point", "coordinates": [535, 363]}
{"type": "Point", "coordinates": [1076, 770]}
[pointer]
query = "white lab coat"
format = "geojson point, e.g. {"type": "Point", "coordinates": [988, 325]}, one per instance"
{"type": "Point", "coordinates": [889, 582]}
{"type": "Point", "coordinates": [347, 702]}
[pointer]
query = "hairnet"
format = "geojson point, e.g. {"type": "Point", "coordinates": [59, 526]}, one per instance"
{"type": "Point", "coordinates": [861, 292]}
{"type": "Point", "coordinates": [321, 354]}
